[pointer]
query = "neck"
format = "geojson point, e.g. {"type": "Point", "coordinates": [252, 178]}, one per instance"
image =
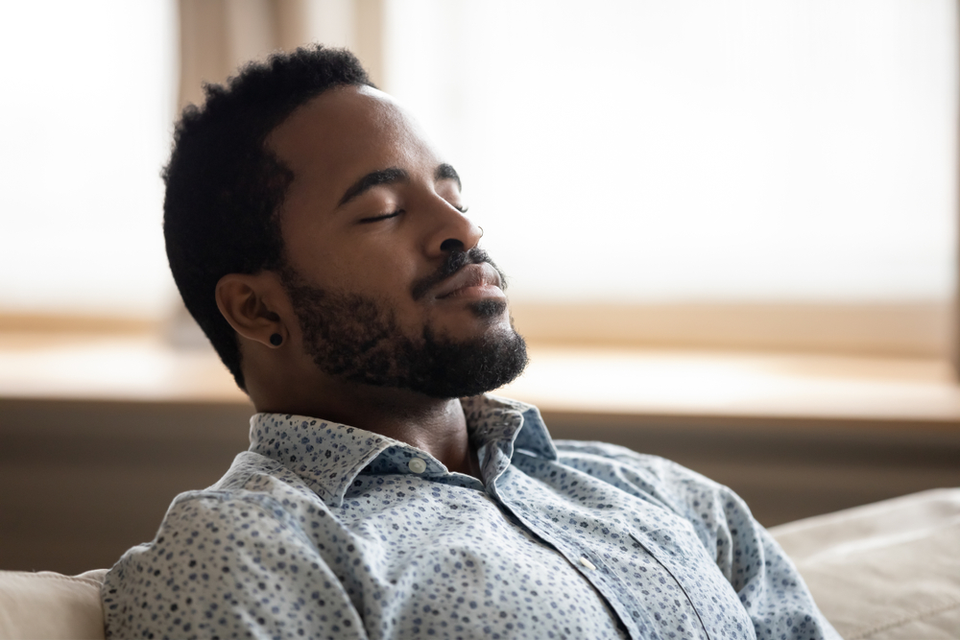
{"type": "Point", "coordinates": [436, 426]}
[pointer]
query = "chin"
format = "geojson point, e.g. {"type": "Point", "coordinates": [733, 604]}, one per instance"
{"type": "Point", "coordinates": [458, 369]}
{"type": "Point", "coordinates": [489, 309]}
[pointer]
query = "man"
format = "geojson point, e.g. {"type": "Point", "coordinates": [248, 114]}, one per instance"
{"type": "Point", "coordinates": [321, 243]}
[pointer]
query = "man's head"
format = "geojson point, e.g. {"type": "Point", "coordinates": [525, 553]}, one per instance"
{"type": "Point", "coordinates": [304, 202]}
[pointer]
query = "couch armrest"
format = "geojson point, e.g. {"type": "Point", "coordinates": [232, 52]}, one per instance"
{"type": "Point", "coordinates": [50, 605]}
{"type": "Point", "coordinates": [884, 571]}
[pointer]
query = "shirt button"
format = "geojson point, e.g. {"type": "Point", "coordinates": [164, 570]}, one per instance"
{"type": "Point", "coordinates": [417, 465]}
{"type": "Point", "coordinates": [587, 563]}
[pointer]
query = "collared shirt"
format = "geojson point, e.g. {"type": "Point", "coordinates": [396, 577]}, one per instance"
{"type": "Point", "coordinates": [322, 530]}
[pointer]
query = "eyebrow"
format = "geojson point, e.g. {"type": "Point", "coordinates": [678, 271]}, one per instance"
{"type": "Point", "coordinates": [373, 179]}
{"type": "Point", "coordinates": [394, 175]}
{"type": "Point", "coordinates": [447, 172]}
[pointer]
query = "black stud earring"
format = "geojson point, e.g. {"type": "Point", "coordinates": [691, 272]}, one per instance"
{"type": "Point", "coordinates": [276, 339]}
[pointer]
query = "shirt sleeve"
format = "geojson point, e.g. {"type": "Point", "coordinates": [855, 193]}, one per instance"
{"type": "Point", "coordinates": [766, 581]}
{"type": "Point", "coordinates": [224, 567]}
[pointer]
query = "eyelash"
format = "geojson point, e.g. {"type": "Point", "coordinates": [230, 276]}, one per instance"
{"type": "Point", "coordinates": [394, 214]}
{"type": "Point", "coordinates": [385, 216]}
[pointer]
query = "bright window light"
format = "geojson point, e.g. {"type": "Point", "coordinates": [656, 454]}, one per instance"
{"type": "Point", "coordinates": [695, 151]}
{"type": "Point", "coordinates": [613, 151]}
{"type": "Point", "coordinates": [89, 99]}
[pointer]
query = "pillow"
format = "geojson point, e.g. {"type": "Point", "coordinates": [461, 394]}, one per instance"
{"type": "Point", "coordinates": [885, 571]}
{"type": "Point", "coordinates": [50, 605]}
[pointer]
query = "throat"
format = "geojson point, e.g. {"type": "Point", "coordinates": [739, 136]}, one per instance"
{"type": "Point", "coordinates": [469, 466]}
{"type": "Point", "coordinates": [447, 441]}
{"type": "Point", "coordinates": [440, 431]}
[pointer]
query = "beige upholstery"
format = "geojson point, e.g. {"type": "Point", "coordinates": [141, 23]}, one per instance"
{"type": "Point", "coordinates": [886, 571]}
{"type": "Point", "coordinates": [50, 606]}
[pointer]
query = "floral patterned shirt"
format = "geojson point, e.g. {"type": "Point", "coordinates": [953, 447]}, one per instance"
{"type": "Point", "coordinates": [323, 530]}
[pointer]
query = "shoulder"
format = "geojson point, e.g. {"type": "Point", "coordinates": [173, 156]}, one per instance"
{"type": "Point", "coordinates": [594, 457]}
{"type": "Point", "coordinates": [694, 497]}
{"type": "Point", "coordinates": [256, 499]}
{"type": "Point", "coordinates": [239, 509]}
{"type": "Point", "coordinates": [224, 562]}
{"type": "Point", "coordinates": [200, 525]}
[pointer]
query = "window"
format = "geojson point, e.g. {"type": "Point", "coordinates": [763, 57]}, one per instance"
{"type": "Point", "coordinates": [88, 111]}
{"type": "Point", "coordinates": [676, 171]}
{"type": "Point", "coordinates": [744, 174]}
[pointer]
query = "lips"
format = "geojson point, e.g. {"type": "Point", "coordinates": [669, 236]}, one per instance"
{"type": "Point", "coordinates": [480, 276]}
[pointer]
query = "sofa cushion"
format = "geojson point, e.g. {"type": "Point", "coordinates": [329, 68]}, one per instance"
{"type": "Point", "coordinates": [884, 571]}
{"type": "Point", "coordinates": [50, 605]}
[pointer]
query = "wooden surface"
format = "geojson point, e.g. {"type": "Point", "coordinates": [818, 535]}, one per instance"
{"type": "Point", "coordinates": [709, 384]}
{"type": "Point", "coordinates": [894, 329]}
{"type": "Point", "coordinates": [97, 435]}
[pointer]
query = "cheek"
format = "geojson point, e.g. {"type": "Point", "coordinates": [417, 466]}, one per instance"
{"type": "Point", "coordinates": [374, 267]}
{"type": "Point", "coordinates": [378, 276]}
{"type": "Point", "coordinates": [381, 265]}
{"type": "Point", "coordinates": [384, 281]}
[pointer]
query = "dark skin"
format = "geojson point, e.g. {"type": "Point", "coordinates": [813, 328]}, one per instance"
{"type": "Point", "coordinates": [372, 210]}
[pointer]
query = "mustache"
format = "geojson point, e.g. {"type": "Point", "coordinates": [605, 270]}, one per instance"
{"type": "Point", "coordinates": [454, 261]}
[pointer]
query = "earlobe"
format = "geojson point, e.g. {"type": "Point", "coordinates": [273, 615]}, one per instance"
{"type": "Point", "coordinates": [244, 301]}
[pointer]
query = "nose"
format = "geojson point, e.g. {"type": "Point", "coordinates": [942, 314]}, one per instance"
{"type": "Point", "coordinates": [451, 230]}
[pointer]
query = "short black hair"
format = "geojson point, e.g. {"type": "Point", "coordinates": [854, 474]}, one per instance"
{"type": "Point", "coordinates": [224, 188]}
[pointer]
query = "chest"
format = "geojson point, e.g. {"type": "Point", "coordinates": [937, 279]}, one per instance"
{"type": "Point", "coordinates": [427, 558]}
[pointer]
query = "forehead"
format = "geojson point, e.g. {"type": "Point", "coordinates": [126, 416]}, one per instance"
{"type": "Point", "coordinates": [345, 133]}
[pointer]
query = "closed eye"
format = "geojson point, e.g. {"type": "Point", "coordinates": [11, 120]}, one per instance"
{"type": "Point", "coordinates": [385, 216]}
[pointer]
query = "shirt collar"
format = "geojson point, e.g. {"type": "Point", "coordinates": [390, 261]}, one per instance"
{"type": "Point", "coordinates": [498, 427]}
{"type": "Point", "coordinates": [328, 456]}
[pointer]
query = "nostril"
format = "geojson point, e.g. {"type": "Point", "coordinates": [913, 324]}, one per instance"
{"type": "Point", "coordinates": [451, 244]}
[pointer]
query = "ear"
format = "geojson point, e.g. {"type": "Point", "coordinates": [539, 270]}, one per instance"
{"type": "Point", "coordinates": [248, 303]}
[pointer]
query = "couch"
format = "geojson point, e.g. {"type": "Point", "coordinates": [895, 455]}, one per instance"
{"type": "Point", "coordinates": [884, 571]}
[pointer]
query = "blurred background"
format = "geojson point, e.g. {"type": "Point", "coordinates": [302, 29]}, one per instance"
{"type": "Point", "coordinates": [621, 153]}
{"type": "Point", "coordinates": [730, 230]}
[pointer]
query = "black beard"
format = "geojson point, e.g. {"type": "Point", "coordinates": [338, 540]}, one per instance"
{"type": "Point", "coordinates": [357, 339]}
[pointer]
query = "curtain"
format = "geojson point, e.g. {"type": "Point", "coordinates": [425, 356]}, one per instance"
{"type": "Point", "coordinates": [217, 36]}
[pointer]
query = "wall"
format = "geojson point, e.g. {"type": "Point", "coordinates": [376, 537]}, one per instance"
{"type": "Point", "coordinates": [82, 481]}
